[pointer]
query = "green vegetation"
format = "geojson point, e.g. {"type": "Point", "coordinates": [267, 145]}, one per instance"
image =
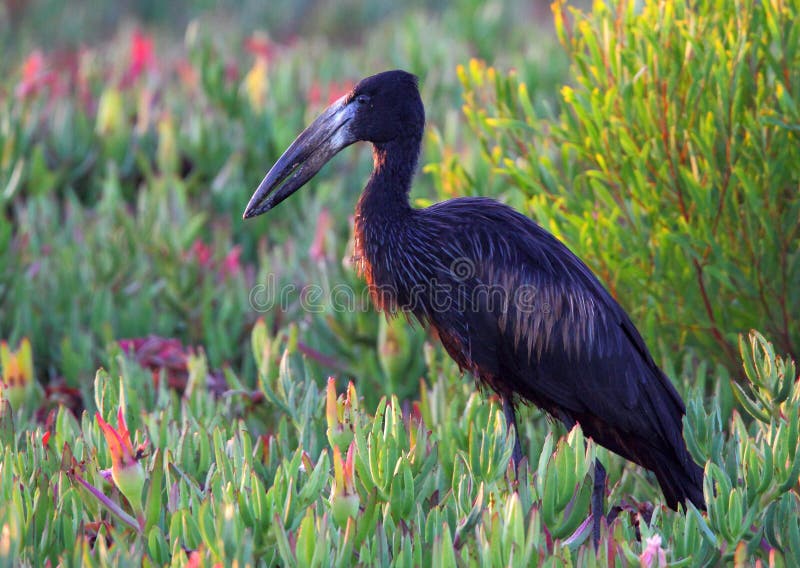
{"type": "Point", "coordinates": [660, 142]}
{"type": "Point", "coordinates": [673, 166]}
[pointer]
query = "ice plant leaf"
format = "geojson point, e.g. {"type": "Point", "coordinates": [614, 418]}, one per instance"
{"type": "Point", "coordinates": [340, 414]}
{"type": "Point", "coordinates": [126, 471]}
{"type": "Point", "coordinates": [73, 469]}
{"type": "Point", "coordinates": [344, 499]}
{"type": "Point", "coordinates": [17, 368]}
{"type": "Point", "coordinates": [155, 499]}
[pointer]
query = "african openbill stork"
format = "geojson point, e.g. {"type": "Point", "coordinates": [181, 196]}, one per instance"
{"type": "Point", "coordinates": [510, 302]}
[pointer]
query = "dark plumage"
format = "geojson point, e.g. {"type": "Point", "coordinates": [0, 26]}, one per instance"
{"type": "Point", "coordinates": [510, 303]}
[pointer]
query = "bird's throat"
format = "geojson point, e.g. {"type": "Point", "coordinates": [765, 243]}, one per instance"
{"type": "Point", "coordinates": [385, 197]}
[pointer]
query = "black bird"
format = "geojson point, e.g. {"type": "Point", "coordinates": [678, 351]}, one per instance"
{"type": "Point", "coordinates": [510, 302]}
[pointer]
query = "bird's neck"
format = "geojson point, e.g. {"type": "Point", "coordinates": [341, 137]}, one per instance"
{"type": "Point", "coordinates": [382, 222]}
{"type": "Point", "coordinates": [385, 198]}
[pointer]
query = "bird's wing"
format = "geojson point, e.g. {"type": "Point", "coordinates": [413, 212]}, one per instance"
{"type": "Point", "coordinates": [559, 339]}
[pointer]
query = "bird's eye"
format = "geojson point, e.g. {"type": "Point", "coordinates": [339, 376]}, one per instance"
{"type": "Point", "coordinates": [362, 99]}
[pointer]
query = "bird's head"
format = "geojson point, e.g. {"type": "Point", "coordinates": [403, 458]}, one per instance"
{"type": "Point", "coordinates": [380, 109]}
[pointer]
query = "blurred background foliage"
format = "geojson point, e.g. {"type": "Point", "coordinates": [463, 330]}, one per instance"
{"type": "Point", "coordinates": [128, 156]}
{"type": "Point", "coordinates": [658, 140]}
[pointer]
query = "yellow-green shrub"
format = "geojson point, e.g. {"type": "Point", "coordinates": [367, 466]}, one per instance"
{"type": "Point", "coordinates": [674, 165]}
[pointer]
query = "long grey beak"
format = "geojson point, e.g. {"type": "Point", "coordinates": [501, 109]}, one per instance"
{"type": "Point", "coordinates": [317, 144]}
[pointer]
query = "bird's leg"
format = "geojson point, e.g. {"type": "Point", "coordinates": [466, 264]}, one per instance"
{"type": "Point", "coordinates": [598, 500]}
{"type": "Point", "coordinates": [511, 420]}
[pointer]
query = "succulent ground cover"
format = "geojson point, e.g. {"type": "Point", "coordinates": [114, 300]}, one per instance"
{"type": "Point", "coordinates": [179, 387]}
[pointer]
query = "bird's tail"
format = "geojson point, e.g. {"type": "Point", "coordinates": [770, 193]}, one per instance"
{"type": "Point", "coordinates": [680, 480]}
